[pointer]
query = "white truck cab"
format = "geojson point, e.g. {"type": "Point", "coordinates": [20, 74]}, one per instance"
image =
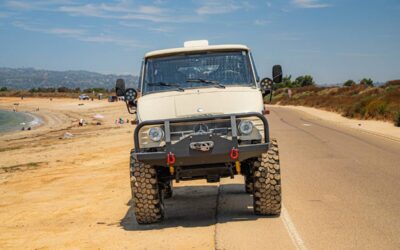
{"type": "Point", "coordinates": [200, 116]}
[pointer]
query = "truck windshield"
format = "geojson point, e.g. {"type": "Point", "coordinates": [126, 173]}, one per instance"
{"type": "Point", "coordinates": [211, 69]}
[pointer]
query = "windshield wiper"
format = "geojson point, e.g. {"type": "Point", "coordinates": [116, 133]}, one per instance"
{"type": "Point", "coordinates": [209, 82]}
{"type": "Point", "coordinates": [166, 84]}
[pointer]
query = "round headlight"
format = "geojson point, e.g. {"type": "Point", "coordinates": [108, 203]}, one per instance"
{"type": "Point", "coordinates": [156, 134]}
{"type": "Point", "coordinates": [245, 127]}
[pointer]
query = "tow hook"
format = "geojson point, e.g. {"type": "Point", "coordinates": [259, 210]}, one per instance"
{"type": "Point", "coordinates": [235, 156]}
{"type": "Point", "coordinates": [171, 161]}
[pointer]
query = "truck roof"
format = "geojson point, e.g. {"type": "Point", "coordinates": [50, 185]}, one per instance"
{"type": "Point", "coordinates": [196, 46]}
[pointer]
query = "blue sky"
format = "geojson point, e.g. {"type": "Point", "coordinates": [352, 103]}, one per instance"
{"type": "Point", "coordinates": [333, 40]}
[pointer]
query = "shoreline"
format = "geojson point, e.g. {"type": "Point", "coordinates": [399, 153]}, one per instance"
{"type": "Point", "coordinates": [34, 121]}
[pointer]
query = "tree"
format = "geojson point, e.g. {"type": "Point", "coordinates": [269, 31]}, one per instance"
{"type": "Point", "coordinates": [63, 90]}
{"type": "Point", "coordinates": [349, 83]}
{"type": "Point", "coordinates": [303, 81]}
{"type": "Point", "coordinates": [3, 89]}
{"type": "Point", "coordinates": [367, 82]}
{"type": "Point", "coordinates": [286, 82]}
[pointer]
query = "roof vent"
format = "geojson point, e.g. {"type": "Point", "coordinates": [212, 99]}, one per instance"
{"type": "Point", "coordinates": [196, 43]}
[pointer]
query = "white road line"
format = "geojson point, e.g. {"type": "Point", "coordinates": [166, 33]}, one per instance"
{"type": "Point", "coordinates": [294, 235]}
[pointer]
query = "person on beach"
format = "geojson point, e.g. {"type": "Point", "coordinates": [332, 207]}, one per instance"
{"type": "Point", "coordinates": [81, 122]}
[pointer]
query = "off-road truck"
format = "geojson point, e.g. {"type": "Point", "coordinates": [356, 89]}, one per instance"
{"type": "Point", "coordinates": [200, 115]}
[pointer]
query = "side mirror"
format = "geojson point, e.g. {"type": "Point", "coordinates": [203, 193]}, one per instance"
{"type": "Point", "coordinates": [120, 87]}
{"type": "Point", "coordinates": [277, 73]}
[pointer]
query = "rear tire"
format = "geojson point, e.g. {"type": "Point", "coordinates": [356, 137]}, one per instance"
{"type": "Point", "coordinates": [267, 191]}
{"type": "Point", "coordinates": [146, 194]}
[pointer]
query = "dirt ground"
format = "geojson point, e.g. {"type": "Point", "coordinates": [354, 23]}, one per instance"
{"type": "Point", "coordinates": [58, 192]}
{"type": "Point", "coordinates": [74, 192]}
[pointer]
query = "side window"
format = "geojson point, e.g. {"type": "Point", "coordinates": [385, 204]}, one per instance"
{"type": "Point", "coordinates": [254, 67]}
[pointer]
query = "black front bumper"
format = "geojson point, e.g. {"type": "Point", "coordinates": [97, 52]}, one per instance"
{"type": "Point", "coordinates": [185, 156]}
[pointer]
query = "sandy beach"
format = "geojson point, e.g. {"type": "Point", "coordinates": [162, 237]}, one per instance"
{"type": "Point", "coordinates": [44, 179]}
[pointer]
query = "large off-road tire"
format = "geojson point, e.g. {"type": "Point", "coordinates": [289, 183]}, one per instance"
{"type": "Point", "coordinates": [267, 192]}
{"type": "Point", "coordinates": [146, 194]}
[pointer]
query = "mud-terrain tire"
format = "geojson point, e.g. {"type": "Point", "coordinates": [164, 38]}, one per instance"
{"type": "Point", "coordinates": [168, 190]}
{"type": "Point", "coordinates": [146, 194]}
{"type": "Point", "coordinates": [248, 184]}
{"type": "Point", "coordinates": [267, 191]}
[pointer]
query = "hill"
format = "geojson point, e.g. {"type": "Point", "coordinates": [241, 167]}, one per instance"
{"type": "Point", "coordinates": [356, 101]}
{"type": "Point", "coordinates": [27, 78]}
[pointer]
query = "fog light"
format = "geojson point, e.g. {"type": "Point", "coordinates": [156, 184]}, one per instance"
{"type": "Point", "coordinates": [245, 127]}
{"type": "Point", "coordinates": [156, 134]}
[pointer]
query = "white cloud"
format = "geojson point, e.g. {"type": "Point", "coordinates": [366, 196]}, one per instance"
{"type": "Point", "coordinates": [124, 11]}
{"type": "Point", "coordinates": [110, 39]}
{"type": "Point", "coordinates": [55, 31]}
{"type": "Point", "coordinates": [161, 29]}
{"type": "Point", "coordinates": [150, 10]}
{"type": "Point", "coordinates": [216, 8]}
{"type": "Point", "coordinates": [67, 32]}
{"type": "Point", "coordinates": [212, 7]}
{"type": "Point", "coordinates": [19, 5]}
{"type": "Point", "coordinates": [83, 10]}
{"type": "Point", "coordinates": [79, 34]}
{"type": "Point", "coordinates": [310, 4]}
{"type": "Point", "coordinates": [36, 5]}
{"type": "Point", "coordinates": [262, 22]}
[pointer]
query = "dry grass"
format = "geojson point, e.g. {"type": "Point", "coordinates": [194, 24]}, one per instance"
{"type": "Point", "coordinates": [21, 167]}
{"type": "Point", "coordinates": [26, 93]}
{"type": "Point", "coordinates": [362, 102]}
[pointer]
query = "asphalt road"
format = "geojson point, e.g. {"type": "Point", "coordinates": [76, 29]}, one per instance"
{"type": "Point", "coordinates": [341, 190]}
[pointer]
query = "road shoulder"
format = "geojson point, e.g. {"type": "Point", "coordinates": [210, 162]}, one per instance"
{"type": "Point", "coordinates": [379, 128]}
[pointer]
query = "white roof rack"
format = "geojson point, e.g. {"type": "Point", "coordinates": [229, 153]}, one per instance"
{"type": "Point", "coordinates": [192, 46]}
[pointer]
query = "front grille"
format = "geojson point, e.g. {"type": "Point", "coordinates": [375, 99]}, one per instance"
{"type": "Point", "coordinates": [220, 127]}
{"type": "Point", "coordinates": [217, 127]}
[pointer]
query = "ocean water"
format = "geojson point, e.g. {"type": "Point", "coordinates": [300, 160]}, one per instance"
{"type": "Point", "coordinates": [10, 121]}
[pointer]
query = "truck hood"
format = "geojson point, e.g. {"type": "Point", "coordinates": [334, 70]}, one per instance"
{"type": "Point", "coordinates": [199, 102]}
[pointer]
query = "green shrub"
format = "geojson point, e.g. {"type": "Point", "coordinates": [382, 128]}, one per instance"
{"type": "Point", "coordinates": [397, 119]}
{"type": "Point", "coordinates": [349, 83]}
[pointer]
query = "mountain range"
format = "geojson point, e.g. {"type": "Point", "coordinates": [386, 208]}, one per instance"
{"type": "Point", "coordinates": [27, 78]}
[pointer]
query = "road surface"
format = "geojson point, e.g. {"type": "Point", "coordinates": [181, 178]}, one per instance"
{"type": "Point", "coordinates": [341, 190]}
